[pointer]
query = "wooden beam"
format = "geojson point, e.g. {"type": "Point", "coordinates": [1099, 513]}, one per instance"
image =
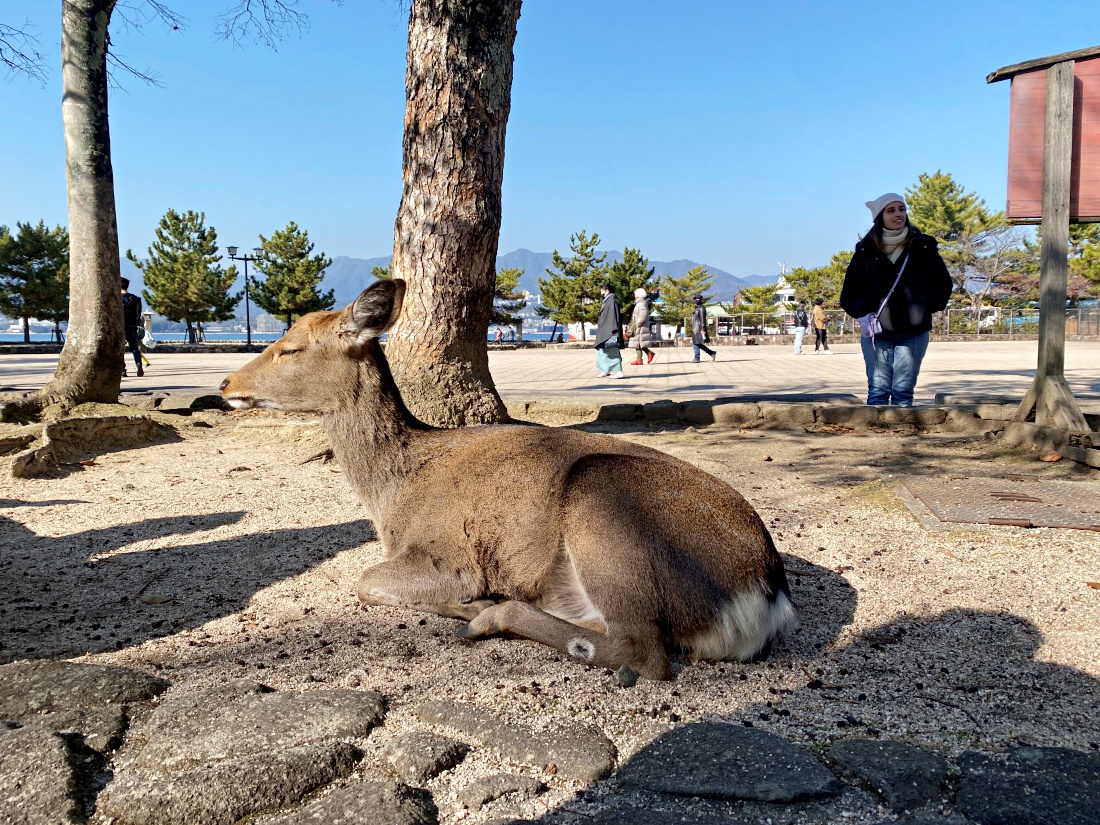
{"type": "Point", "coordinates": [1041, 63]}
{"type": "Point", "coordinates": [1049, 395]}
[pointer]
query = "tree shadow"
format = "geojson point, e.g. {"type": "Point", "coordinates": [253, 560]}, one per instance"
{"type": "Point", "coordinates": [70, 595]}
{"type": "Point", "coordinates": [960, 680]}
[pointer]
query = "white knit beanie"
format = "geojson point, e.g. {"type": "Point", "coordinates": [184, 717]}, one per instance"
{"type": "Point", "coordinates": [639, 293]}
{"type": "Point", "coordinates": [882, 201]}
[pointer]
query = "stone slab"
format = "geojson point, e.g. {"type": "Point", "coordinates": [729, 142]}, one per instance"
{"type": "Point", "coordinates": [224, 792]}
{"type": "Point", "coordinates": [1030, 786]}
{"type": "Point", "coordinates": [907, 777]}
{"type": "Point", "coordinates": [30, 688]}
{"type": "Point", "coordinates": [40, 780]}
{"type": "Point", "coordinates": [724, 761]}
{"type": "Point", "coordinates": [368, 803]}
{"type": "Point", "coordinates": [578, 752]}
{"type": "Point", "coordinates": [481, 792]}
{"type": "Point", "coordinates": [417, 757]}
{"type": "Point", "coordinates": [244, 718]}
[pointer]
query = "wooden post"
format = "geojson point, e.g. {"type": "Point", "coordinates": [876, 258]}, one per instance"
{"type": "Point", "coordinates": [1049, 395]}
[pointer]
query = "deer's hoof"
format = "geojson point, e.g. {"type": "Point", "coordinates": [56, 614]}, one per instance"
{"type": "Point", "coordinates": [483, 625]}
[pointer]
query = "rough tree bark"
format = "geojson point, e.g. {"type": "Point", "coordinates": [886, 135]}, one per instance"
{"type": "Point", "coordinates": [458, 88]}
{"type": "Point", "coordinates": [90, 366]}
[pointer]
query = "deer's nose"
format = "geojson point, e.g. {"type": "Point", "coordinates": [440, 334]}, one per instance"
{"type": "Point", "coordinates": [224, 384]}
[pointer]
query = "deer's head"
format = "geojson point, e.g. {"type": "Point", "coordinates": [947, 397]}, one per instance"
{"type": "Point", "coordinates": [317, 364]}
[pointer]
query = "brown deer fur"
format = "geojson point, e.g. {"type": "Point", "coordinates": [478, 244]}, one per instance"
{"type": "Point", "coordinates": [605, 550]}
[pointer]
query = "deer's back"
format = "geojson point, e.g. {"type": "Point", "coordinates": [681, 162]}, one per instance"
{"type": "Point", "coordinates": [492, 496]}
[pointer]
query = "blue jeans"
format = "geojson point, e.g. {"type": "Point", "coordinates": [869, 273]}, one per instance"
{"type": "Point", "coordinates": [799, 334]}
{"type": "Point", "coordinates": [702, 347]}
{"type": "Point", "coordinates": [893, 362]}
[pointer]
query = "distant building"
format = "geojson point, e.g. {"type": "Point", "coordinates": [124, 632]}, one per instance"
{"type": "Point", "coordinates": [268, 323]}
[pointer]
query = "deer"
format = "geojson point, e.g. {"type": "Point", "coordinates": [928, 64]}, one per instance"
{"type": "Point", "coordinates": [523, 530]}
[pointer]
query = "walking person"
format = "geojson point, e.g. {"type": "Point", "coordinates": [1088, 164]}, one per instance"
{"type": "Point", "coordinates": [821, 328]}
{"type": "Point", "coordinates": [699, 335]}
{"type": "Point", "coordinates": [894, 283]}
{"type": "Point", "coordinates": [131, 324]}
{"type": "Point", "coordinates": [609, 333]}
{"type": "Point", "coordinates": [801, 322]}
{"type": "Point", "coordinates": [638, 328]}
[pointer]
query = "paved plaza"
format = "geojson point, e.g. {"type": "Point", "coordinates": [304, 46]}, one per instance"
{"type": "Point", "coordinates": [985, 368]}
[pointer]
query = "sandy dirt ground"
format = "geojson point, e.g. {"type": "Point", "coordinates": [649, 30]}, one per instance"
{"type": "Point", "coordinates": [223, 554]}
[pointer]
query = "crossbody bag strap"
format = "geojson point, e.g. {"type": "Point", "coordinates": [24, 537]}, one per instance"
{"type": "Point", "coordinates": [895, 286]}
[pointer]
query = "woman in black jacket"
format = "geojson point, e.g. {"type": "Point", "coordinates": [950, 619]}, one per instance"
{"type": "Point", "coordinates": [897, 273]}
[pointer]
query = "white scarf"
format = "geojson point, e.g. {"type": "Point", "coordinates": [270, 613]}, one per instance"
{"type": "Point", "coordinates": [892, 240]}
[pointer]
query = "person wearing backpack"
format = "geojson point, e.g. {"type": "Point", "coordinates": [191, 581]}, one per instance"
{"type": "Point", "coordinates": [131, 321]}
{"type": "Point", "coordinates": [894, 283]}
{"type": "Point", "coordinates": [801, 322]}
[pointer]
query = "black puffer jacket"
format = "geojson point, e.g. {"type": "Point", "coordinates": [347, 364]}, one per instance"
{"type": "Point", "coordinates": [925, 287]}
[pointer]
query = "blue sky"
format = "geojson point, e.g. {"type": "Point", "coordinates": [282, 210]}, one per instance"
{"type": "Point", "coordinates": [736, 134]}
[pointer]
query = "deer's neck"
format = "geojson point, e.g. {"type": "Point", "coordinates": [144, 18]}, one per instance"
{"type": "Point", "coordinates": [371, 432]}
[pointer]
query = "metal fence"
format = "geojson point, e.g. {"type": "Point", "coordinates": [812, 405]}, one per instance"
{"type": "Point", "coordinates": [989, 321]}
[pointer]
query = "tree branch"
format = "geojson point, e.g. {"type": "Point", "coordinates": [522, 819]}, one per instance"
{"type": "Point", "coordinates": [135, 16]}
{"type": "Point", "coordinates": [19, 52]}
{"type": "Point", "coordinates": [262, 21]}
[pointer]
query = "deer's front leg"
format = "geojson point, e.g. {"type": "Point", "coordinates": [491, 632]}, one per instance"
{"type": "Point", "coordinates": [426, 581]}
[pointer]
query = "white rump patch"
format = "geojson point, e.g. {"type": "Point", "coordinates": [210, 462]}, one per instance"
{"type": "Point", "coordinates": [581, 649]}
{"type": "Point", "coordinates": [744, 626]}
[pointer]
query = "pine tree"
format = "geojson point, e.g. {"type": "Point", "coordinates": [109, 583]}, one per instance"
{"type": "Point", "coordinates": [821, 282]}
{"type": "Point", "coordinates": [34, 275]}
{"type": "Point", "coordinates": [572, 292]}
{"type": "Point", "coordinates": [678, 294]}
{"type": "Point", "coordinates": [974, 242]}
{"type": "Point", "coordinates": [627, 275]}
{"type": "Point", "coordinates": [1019, 281]}
{"type": "Point", "coordinates": [756, 300]}
{"type": "Point", "coordinates": [183, 281]}
{"type": "Point", "coordinates": [506, 300]}
{"type": "Point", "coordinates": [291, 276]}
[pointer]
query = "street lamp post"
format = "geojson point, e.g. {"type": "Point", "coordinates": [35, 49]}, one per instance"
{"type": "Point", "coordinates": [255, 256]}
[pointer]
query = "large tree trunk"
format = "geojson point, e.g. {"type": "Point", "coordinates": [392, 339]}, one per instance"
{"type": "Point", "coordinates": [90, 366]}
{"type": "Point", "coordinates": [458, 90]}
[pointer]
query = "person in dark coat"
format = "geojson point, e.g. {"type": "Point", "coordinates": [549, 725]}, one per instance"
{"type": "Point", "coordinates": [131, 324]}
{"type": "Point", "coordinates": [894, 252]}
{"type": "Point", "coordinates": [609, 330]}
{"type": "Point", "coordinates": [699, 335]}
{"type": "Point", "coordinates": [640, 336]}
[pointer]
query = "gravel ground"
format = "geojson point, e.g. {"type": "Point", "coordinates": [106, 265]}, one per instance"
{"type": "Point", "coordinates": [225, 555]}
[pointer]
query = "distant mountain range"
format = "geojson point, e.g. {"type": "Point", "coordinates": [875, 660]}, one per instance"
{"type": "Point", "coordinates": [347, 277]}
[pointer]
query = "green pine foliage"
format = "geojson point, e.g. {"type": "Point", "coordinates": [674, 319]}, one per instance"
{"type": "Point", "coordinates": [507, 301]}
{"type": "Point", "coordinates": [1084, 262]}
{"type": "Point", "coordinates": [677, 296]}
{"type": "Point", "coordinates": [758, 299]}
{"type": "Point", "coordinates": [821, 282]}
{"type": "Point", "coordinates": [1018, 285]}
{"type": "Point", "coordinates": [627, 275]}
{"type": "Point", "coordinates": [291, 277]}
{"type": "Point", "coordinates": [381, 273]}
{"type": "Point", "coordinates": [34, 274]}
{"type": "Point", "coordinates": [572, 292]}
{"type": "Point", "coordinates": [183, 280]}
{"type": "Point", "coordinates": [962, 223]}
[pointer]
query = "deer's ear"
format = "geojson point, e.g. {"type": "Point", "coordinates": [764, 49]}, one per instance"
{"type": "Point", "coordinates": [374, 311]}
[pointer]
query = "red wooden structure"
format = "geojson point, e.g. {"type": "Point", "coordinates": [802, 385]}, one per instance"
{"type": "Point", "coordinates": [1026, 127]}
{"type": "Point", "coordinates": [1054, 178]}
